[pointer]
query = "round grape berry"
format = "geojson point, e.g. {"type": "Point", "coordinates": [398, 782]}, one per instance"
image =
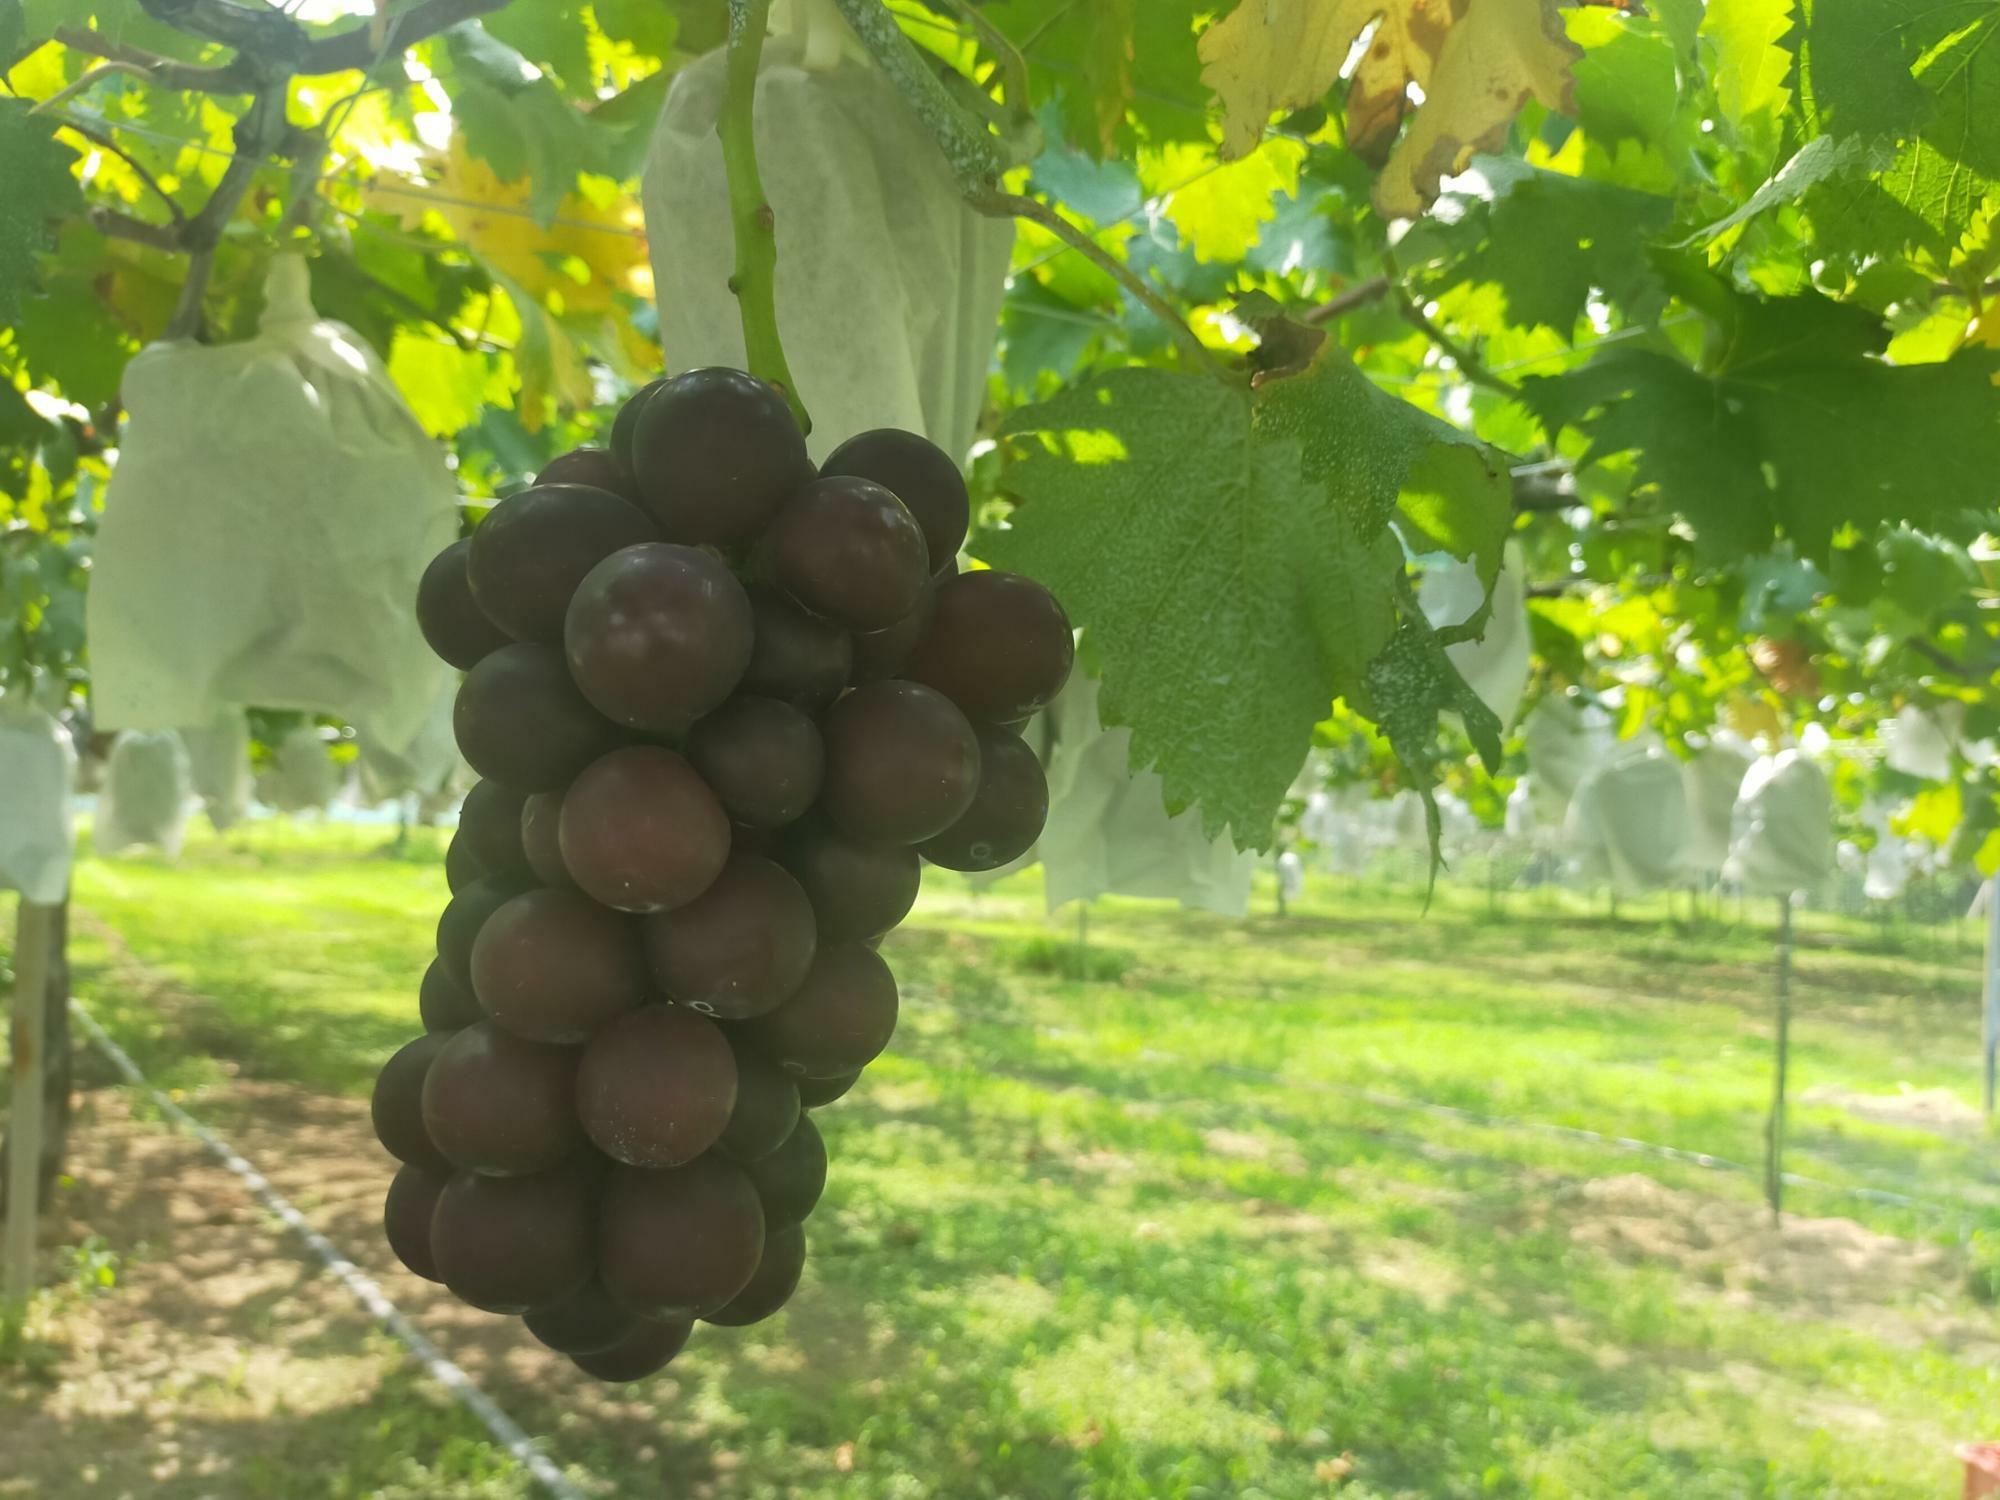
{"type": "Point", "coordinates": [817, 1093]}
{"type": "Point", "coordinates": [627, 419]}
{"type": "Point", "coordinates": [397, 1106]}
{"type": "Point", "coordinates": [858, 891]}
{"type": "Point", "coordinates": [649, 1348]}
{"type": "Point", "coordinates": [999, 646]}
{"type": "Point", "coordinates": [497, 1104]}
{"type": "Point", "coordinates": [738, 949]}
{"type": "Point", "coordinates": [584, 1322]}
{"type": "Point", "coordinates": [534, 548]}
{"type": "Point", "coordinates": [716, 452]}
{"type": "Point", "coordinates": [443, 1003]}
{"type": "Point", "coordinates": [554, 966]}
{"type": "Point", "coordinates": [656, 1087]}
{"type": "Point", "coordinates": [520, 720]}
{"type": "Point", "coordinates": [918, 473]}
{"type": "Point", "coordinates": [658, 635]}
{"type": "Point", "coordinates": [489, 820]}
{"type": "Point", "coordinates": [798, 658]}
{"type": "Point", "coordinates": [772, 1284]}
{"type": "Point", "coordinates": [1007, 811]}
{"type": "Point", "coordinates": [762, 757]}
{"type": "Point", "coordinates": [789, 1181]}
{"type": "Point", "coordinates": [846, 548]}
{"type": "Point", "coordinates": [902, 764]}
{"type": "Point", "coordinates": [406, 1218]}
{"type": "Point", "coordinates": [681, 1242]}
{"type": "Point", "coordinates": [767, 1105]}
{"type": "Point", "coordinates": [468, 912]}
{"type": "Point", "coordinates": [598, 468]}
{"type": "Point", "coordinates": [641, 832]}
{"type": "Point", "coordinates": [506, 1244]}
{"type": "Point", "coordinates": [838, 1021]}
{"type": "Point", "coordinates": [541, 822]}
{"type": "Point", "coordinates": [454, 625]}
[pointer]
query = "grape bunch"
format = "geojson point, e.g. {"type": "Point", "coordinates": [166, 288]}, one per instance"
{"type": "Point", "coordinates": [723, 706]}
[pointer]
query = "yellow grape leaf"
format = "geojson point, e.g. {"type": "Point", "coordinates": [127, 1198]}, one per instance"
{"type": "Point", "coordinates": [586, 255]}
{"type": "Point", "coordinates": [1476, 61]}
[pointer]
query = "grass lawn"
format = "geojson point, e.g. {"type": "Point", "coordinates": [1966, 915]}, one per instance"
{"type": "Point", "coordinates": [1155, 1218]}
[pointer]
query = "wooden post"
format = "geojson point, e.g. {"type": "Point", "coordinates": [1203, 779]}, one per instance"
{"type": "Point", "coordinates": [1774, 1153]}
{"type": "Point", "coordinates": [33, 947]}
{"type": "Point", "coordinates": [1992, 1028]}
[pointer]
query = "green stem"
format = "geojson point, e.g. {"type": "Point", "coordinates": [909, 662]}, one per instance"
{"type": "Point", "coordinates": [755, 278]}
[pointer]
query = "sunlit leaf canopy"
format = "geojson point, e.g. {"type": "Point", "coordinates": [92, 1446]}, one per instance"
{"type": "Point", "coordinates": [1713, 281]}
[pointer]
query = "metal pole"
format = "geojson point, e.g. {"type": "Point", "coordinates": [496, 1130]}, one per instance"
{"type": "Point", "coordinates": [1774, 1155]}
{"type": "Point", "coordinates": [1992, 1036]}
{"type": "Point", "coordinates": [34, 932]}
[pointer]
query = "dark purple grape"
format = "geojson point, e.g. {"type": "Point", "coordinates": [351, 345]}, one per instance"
{"type": "Point", "coordinates": [444, 1003]}
{"type": "Point", "coordinates": [771, 1284]}
{"type": "Point", "coordinates": [584, 1322]}
{"type": "Point", "coordinates": [534, 548]}
{"type": "Point", "coordinates": [740, 947]}
{"type": "Point", "coordinates": [627, 419]}
{"type": "Point", "coordinates": [681, 1242]}
{"type": "Point", "coordinates": [658, 635]}
{"type": "Point", "coordinates": [882, 653]}
{"type": "Point", "coordinates": [999, 646]}
{"type": "Point", "coordinates": [506, 1244]}
{"type": "Point", "coordinates": [789, 1181]}
{"type": "Point", "coordinates": [767, 1105]}
{"type": "Point", "coordinates": [798, 657]}
{"type": "Point", "coordinates": [497, 1104]}
{"type": "Point", "coordinates": [554, 966]}
{"type": "Point", "coordinates": [656, 1088]}
{"type": "Point", "coordinates": [596, 468]}
{"type": "Point", "coordinates": [918, 473]}
{"type": "Point", "coordinates": [458, 928]}
{"type": "Point", "coordinates": [761, 757]}
{"type": "Point", "coordinates": [1007, 811]}
{"type": "Point", "coordinates": [839, 1020]}
{"type": "Point", "coordinates": [406, 1218]}
{"type": "Point", "coordinates": [902, 764]}
{"type": "Point", "coordinates": [817, 1093]}
{"type": "Point", "coordinates": [716, 452]}
{"type": "Point", "coordinates": [489, 819]}
{"type": "Point", "coordinates": [642, 832]}
{"type": "Point", "coordinates": [397, 1106]}
{"type": "Point", "coordinates": [456, 628]}
{"type": "Point", "coordinates": [858, 891]}
{"type": "Point", "coordinates": [846, 549]}
{"type": "Point", "coordinates": [461, 865]}
{"type": "Point", "coordinates": [649, 1348]}
{"type": "Point", "coordinates": [541, 823]}
{"type": "Point", "coordinates": [520, 720]}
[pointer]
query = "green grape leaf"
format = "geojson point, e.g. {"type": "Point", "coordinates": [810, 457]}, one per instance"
{"type": "Point", "coordinates": [1798, 427]}
{"type": "Point", "coordinates": [648, 25]}
{"type": "Point", "coordinates": [39, 191]}
{"type": "Point", "coordinates": [1750, 69]}
{"type": "Point", "coordinates": [1040, 331]}
{"type": "Point", "coordinates": [552, 35]}
{"type": "Point", "coordinates": [1253, 576]}
{"type": "Point", "coordinates": [1626, 84]}
{"type": "Point", "coordinates": [1552, 239]}
{"type": "Point", "coordinates": [1923, 75]}
{"type": "Point", "coordinates": [1821, 159]}
{"type": "Point", "coordinates": [1116, 71]}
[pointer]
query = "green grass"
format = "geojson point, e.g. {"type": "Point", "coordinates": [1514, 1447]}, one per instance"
{"type": "Point", "coordinates": [1124, 1224]}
